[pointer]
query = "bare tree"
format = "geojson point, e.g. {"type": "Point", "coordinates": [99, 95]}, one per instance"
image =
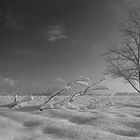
{"type": "Point", "coordinates": [124, 57]}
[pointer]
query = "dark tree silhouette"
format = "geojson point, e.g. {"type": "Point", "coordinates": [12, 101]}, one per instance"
{"type": "Point", "coordinates": [124, 57]}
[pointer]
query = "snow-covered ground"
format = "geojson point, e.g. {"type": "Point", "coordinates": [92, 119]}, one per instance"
{"type": "Point", "coordinates": [119, 122]}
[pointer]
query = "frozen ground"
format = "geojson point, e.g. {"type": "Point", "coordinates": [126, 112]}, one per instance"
{"type": "Point", "coordinates": [119, 122]}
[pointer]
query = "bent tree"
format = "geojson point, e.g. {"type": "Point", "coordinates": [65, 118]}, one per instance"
{"type": "Point", "coordinates": [79, 81]}
{"type": "Point", "coordinates": [124, 57]}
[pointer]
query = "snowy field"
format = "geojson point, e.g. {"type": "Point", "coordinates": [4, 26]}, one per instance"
{"type": "Point", "coordinates": [121, 121]}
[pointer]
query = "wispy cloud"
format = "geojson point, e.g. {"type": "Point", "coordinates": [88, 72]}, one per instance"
{"type": "Point", "coordinates": [53, 32]}
{"type": "Point", "coordinates": [56, 32]}
{"type": "Point", "coordinates": [11, 22]}
{"type": "Point", "coordinates": [7, 81]}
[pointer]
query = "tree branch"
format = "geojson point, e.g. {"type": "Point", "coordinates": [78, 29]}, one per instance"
{"type": "Point", "coordinates": [133, 85]}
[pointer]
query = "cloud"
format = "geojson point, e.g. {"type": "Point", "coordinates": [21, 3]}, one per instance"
{"type": "Point", "coordinates": [11, 22]}
{"type": "Point", "coordinates": [55, 32]}
{"type": "Point", "coordinates": [7, 81]}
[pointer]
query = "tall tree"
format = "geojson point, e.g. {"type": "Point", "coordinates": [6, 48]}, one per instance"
{"type": "Point", "coordinates": [124, 57]}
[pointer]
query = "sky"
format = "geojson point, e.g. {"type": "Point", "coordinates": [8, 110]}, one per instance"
{"type": "Point", "coordinates": [44, 43]}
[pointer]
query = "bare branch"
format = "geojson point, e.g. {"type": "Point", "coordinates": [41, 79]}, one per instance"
{"type": "Point", "coordinates": [135, 56]}
{"type": "Point", "coordinates": [121, 54]}
{"type": "Point", "coordinates": [17, 102]}
{"type": "Point", "coordinates": [132, 85]}
{"type": "Point", "coordinates": [28, 98]}
{"type": "Point", "coordinates": [100, 88]}
{"type": "Point", "coordinates": [79, 93]}
{"type": "Point", "coordinates": [80, 81]}
{"type": "Point", "coordinates": [134, 17]}
{"type": "Point", "coordinates": [84, 91]}
{"type": "Point", "coordinates": [56, 93]}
